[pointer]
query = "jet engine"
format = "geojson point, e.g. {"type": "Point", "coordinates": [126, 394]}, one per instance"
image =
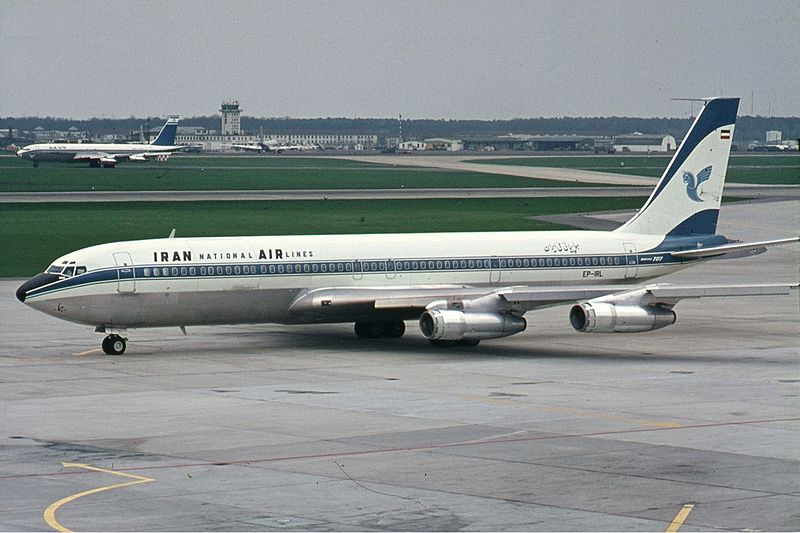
{"type": "Point", "coordinates": [456, 325]}
{"type": "Point", "coordinates": [605, 317]}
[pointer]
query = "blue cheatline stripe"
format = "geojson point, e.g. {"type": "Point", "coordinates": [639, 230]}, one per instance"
{"type": "Point", "coordinates": [716, 114]}
{"type": "Point", "coordinates": [657, 256]}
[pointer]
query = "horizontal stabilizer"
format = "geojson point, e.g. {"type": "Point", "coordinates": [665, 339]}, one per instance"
{"type": "Point", "coordinates": [745, 248]}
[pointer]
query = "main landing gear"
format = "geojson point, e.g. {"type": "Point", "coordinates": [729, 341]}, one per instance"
{"type": "Point", "coordinates": [375, 330]}
{"type": "Point", "coordinates": [114, 345]}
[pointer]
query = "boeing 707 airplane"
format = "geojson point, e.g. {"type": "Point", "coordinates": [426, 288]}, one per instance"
{"type": "Point", "coordinates": [106, 155]}
{"type": "Point", "coordinates": [460, 287]}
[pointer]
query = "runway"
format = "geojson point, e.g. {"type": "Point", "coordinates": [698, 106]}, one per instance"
{"type": "Point", "coordinates": [696, 426]}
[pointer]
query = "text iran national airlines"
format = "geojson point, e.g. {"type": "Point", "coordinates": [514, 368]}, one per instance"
{"type": "Point", "coordinates": [461, 287]}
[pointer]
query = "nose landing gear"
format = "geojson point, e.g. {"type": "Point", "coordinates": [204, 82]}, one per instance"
{"type": "Point", "coordinates": [114, 345]}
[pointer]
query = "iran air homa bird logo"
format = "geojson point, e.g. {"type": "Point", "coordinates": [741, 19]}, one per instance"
{"type": "Point", "coordinates": [693, 183]}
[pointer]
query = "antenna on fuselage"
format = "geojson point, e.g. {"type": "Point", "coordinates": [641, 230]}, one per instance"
{"type": "Point", "coordinates": [171, 234]}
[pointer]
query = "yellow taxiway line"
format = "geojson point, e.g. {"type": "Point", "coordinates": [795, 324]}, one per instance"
{"type": "Point", "coordinates": [680, 518]}
{"type": "Point", "coordinates": [50, 512]}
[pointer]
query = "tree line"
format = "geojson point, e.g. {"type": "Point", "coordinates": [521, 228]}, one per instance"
{"type": "Point", "coordinates": [748, 128]}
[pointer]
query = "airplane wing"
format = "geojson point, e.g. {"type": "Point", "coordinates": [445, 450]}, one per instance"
{"type": "Point", "coordinates": [92, 156]}
{"type": "Point", "coordinates": [333, 303]}
{"type": "Point", "coordinates": [159, 156]}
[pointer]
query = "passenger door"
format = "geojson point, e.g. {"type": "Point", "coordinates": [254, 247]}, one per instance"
{"type": "Point", "coordinates": [126, 277]}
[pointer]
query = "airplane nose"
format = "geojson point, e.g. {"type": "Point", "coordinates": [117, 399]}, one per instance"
{"type": "Point", "coordinates": [34, 283]}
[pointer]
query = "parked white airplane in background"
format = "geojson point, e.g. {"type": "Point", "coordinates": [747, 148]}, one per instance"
{"type": "Point", "coordinates": [261, 146]}
{"type": "Point", "coordinates": [462, 287]}
{"type": "Point", "coordinates": [274, 146]}
{"type": "Point", "coordinates": [106, 155]}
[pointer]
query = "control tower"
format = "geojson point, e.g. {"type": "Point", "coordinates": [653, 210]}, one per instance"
{"type": "Point", "coordinates": [230, 118]}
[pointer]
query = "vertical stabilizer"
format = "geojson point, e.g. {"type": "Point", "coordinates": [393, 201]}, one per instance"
{"type": "Point", "coordinates": [166, 137]}
{"type": "Point", "coordinates": [687, 198]}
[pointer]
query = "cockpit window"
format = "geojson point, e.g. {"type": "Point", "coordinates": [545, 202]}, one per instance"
{"type": "Point", "coordinates": [67, 270]}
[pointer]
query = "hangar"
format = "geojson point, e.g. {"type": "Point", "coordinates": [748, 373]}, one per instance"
{"type": "Point", "coordinates": [641, 142]}
{"type": "Point", "coordinates": [517, 142]}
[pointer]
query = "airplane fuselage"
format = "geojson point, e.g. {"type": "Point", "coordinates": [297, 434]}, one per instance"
{"type": "Point", "coordinates": [193, 281]}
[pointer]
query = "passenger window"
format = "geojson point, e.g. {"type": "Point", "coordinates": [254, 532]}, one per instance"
{"type": "Point", "coordinates": [236, 270]}
{"type": "Point", "coordinates": [165, 271]}
{"type": "Point", "coordinates": [192, 271]}
{"type": "Point", "coordinates": [184, 271]}
{"type": "Point", "coordinates": [175, 271]}
{"type": "Point", "coordinates": [147, 272]}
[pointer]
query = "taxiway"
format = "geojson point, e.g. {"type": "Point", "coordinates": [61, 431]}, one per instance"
{"type": "Point", "coordinates": [309, 428]}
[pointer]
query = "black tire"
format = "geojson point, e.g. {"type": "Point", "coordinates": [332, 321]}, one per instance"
{"type": "Point", "coordinates": [114, 345]}
{"type": "Point", "coordinates": [362, 329]}
{"type": "Point", "coordinates": [393, 330]}
{"type": "Point", "coordinates": [36, 165]}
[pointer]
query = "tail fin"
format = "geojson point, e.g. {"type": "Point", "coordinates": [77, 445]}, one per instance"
{"type": "Point", "coordinates": [687, 198]}
{"type": "Point", "coordinates": [166, 137]}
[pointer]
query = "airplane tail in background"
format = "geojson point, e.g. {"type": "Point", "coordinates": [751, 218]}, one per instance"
{"type": "Point", "coordinates": [166, 137]}
{"type": "Point", "coordinates": [687, 198]}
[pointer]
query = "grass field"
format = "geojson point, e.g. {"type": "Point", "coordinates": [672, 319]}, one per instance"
{"type": "Point", "coordinates": [766, 169]}
{"type": "Point", "coordinates": [243, 173]}
{"type": "Point", "coordinates": [33, 235]}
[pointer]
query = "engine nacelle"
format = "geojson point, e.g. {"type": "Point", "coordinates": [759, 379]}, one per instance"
{"type": "Point", "coordinates": [604, 317]}
{"type": "Point", "coordinates": [455, 325]}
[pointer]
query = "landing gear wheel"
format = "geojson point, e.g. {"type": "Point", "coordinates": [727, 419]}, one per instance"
{"type": "Point", "coordinates": [36, 165]}
{"type": "Point", "coordinates": [362, 329]}
{"type": "Point", "coordinates": [114, 345]}
{"type": "Point", "coordinates": [393, 330]}
{"type": "Point", "coordinates": [376, 330]}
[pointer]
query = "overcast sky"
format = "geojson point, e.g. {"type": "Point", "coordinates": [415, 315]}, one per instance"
{"type": "Point", "coordinates": [426, 59]}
